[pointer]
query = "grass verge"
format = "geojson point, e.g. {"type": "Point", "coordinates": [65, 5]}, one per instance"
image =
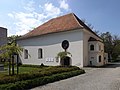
{"type": "Point", "coordinates": [28, 84]}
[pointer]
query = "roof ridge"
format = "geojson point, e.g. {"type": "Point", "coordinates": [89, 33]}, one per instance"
{"type": "Point", "coordinates": [76, 19]}
{"type": "Point", "coordinates": [47, 21]}
{"type": "Point", "coordinates": [86, 26]}
{"type": "Point", "coordinates": [62, 15]}
{"type": "Point", "coordinates": [58, 24]}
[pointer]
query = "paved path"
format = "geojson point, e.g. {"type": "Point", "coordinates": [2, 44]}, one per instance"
{"type": "Point", "coordinates": [107, 78]}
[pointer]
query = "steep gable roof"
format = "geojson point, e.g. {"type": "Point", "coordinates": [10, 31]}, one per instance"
{"type": "Point", "coordinates": [59, 24]}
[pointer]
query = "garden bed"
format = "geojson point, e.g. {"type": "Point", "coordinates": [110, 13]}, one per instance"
{"type": "Point", "coordinates": [40, 76]}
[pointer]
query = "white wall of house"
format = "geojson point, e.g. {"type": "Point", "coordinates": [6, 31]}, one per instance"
{"type": "Point", "coordinates": [85, 47]}
{"type": "Point", "coordinates": [51, 45]}
{"type": "Point", "coordinates": [87, 54]}
{"type": "Point", "coordinates": [98, 51]}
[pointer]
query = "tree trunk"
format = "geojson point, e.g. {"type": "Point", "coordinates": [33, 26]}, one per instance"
{"type": "Point", "coordinates": [12, 64]}
{"type": "Point", "coordinates": [17, 65]}
{"type": "Point", "coordinates": [9, 67]}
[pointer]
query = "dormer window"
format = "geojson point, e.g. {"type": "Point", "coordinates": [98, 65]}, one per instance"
{"type": "Point", "coordinates": [92, 47]}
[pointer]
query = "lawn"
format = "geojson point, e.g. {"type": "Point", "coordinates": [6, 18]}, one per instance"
{"type": "Point", "coordinates": [31, 76]}
{"type": "Point", "coordinates": [22, 70]}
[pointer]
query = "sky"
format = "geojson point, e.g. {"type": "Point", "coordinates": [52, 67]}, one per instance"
{"type": "Point", "coordinates": [22, 16]}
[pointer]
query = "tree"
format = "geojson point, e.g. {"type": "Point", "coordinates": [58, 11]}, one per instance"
{"type": "Point", "coordinates": [111, 45]}
{"type": "Point", "coordinates": [115, 52]}
{"type": "Point", "coordinates": [88, 24]}
{"type": "Point", "coordinates": [63, 54]}
{"type": "Point", "coordinates": [97, 32]}
{"type": "Point", "coordinates": [7, 52]}
{"type": "Point", "coordinates": [13, 38]}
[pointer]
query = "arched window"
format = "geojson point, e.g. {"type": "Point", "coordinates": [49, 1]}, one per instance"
{"type": "Point", "coordinates": [99, 58]}
{"type": "Point", "coordinates": [91, 47]}
{"type": "Point", "coordinates": [25, 54]}
{"type": "Point", "coordinates": [40, 53]}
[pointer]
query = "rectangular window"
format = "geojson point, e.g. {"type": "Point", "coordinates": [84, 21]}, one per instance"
{"type": "Point", "coordinates": [92, 47]}
{"type": "Point", "coordinates": [25, 54]}
{"type": "Point", "coordinates": [92, 58]}
{"type": "Point", "coordinates": [99, 58]}
{"type": "Point", "coordinates": [40, 53]}
{"type": "Point", "coordinates": [99, 47]}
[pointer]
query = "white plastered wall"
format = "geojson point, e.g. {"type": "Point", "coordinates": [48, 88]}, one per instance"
{"type": "Point", "coordinates": [86, 54]}
{"type": "Point", "coordinates": [51, 45]}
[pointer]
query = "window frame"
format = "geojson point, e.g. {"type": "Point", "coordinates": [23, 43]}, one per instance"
{"type": "Point", "coordinates": [40, 53]}
{"type": "Point", "coordinates": [92, 58]}
{"type": "Point", "coordinates": [99, 58]}
{"type": "Point", "coordinates": [25, 54]}
{"type": "Point", "coordinates": [92, 47]}
{"type": "Point", "coordinates": [99, 47]}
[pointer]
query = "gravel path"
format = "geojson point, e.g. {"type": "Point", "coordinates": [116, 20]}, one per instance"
{"type": "Point", "coordinates": [107, 78]}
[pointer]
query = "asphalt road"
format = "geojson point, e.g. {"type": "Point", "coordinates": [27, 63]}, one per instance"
{"type": "Point", "coordinates": [105, 78]}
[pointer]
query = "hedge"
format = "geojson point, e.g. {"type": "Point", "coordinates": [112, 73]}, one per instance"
{"type": "Point", "coordinates": [28, 84]}
{"type": "Point", "coordinates": [35, 66]}
{"type": "Point", "coordinates": [47, 72]}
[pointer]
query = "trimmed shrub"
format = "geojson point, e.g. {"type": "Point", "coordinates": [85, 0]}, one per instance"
{"type": "Point", "coordinates": [46, 72]}
{"type": "Point", "coordinates": [35, 66]}
{"type": "Point", "coordinates": [28, 84]}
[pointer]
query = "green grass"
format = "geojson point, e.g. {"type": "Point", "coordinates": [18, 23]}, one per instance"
{"type": "Point", "coordinates": [28, 69]}
{"type": "Point", "coordinates": [34, 75]}
{"type": "Point", "coordinates": [22, 70]}
{"type": "Point", "coordinates": [31, 83]}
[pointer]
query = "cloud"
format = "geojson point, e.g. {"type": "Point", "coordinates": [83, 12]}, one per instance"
{"type": "Point", "coordinates": [31, 18]}
{"type": "Point", "coordinates": [26, 21]}
{"type": "Point", "coordinates": [10, 15]}
{"type": "Point", "coordinates": [64, 4]}
{"type": "Point", "coordinates": [51, 11]}
{"type": "Point", "coordinates": [30, 6]}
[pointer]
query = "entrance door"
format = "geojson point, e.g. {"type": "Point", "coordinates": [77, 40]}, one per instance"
{"type": "Point", "coordinates": [65, 61]}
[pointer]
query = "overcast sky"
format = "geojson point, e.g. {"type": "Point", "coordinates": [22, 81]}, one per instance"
{"type": "Point", "coordinates": [21, 16]}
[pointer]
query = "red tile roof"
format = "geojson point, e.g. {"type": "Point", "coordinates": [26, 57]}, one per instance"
{"type": "Point", "coordinates": [59, 24]}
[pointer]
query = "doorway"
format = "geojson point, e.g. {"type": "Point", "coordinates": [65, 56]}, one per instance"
{"type": "Point", "coordinates": [66, 61]}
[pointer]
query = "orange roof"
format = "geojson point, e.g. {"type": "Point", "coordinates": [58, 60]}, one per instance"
{"type": "Point", "coordinates": [59, 24]}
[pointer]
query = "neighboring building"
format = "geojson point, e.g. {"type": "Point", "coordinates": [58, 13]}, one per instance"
{"type": "Point", "coordinates": [3, 36]}
{"type": "Point", "coordinates": [42, 44]}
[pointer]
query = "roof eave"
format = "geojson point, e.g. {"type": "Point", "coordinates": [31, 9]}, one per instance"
{"type": "Point", "coordinates": [22, 38]}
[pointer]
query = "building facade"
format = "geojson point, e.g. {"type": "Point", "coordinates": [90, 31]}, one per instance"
{"type": "Point", "coordinates": [3, 36]}
{"type": "Point", "coordinates": [42, 44]}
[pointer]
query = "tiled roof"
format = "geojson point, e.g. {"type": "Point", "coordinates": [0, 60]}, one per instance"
{"type": "Point", "coordinates": [59, 24]}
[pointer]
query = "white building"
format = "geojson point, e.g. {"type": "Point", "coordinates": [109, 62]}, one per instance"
{"type": "Point", "coordinates": [42, 44]}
